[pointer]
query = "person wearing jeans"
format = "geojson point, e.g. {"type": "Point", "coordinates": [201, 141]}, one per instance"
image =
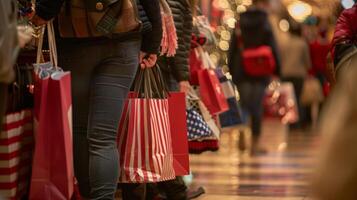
{"type": "Point", "coordinates": [104, 72]}
{"type": "Point", "coordinates": [103, 68]}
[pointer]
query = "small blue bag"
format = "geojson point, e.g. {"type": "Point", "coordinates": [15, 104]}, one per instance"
{"type": "Point", "coordinates": [197, 128]}
{"type": "Point", "coordinates": [233, 116]}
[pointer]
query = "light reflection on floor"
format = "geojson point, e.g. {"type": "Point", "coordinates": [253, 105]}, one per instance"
{"type": "Point", "coordinates": [281, 174]}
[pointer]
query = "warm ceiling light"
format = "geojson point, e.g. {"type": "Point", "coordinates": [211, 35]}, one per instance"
{"type": "Point", "coordinates": [347, 3]}
{"type": "Point", "coordinates": [299, 10]}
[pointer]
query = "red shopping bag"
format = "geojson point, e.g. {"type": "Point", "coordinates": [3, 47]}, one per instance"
{"type": "Point", "coordinates": [52, 173]}
{"type": "Point", "coordinates": [16, 145]}
{"type": "Point", "coordinates": [280, 102]}
{"type": "Point", "coordinates": [195, 66]}
{"type": "Point", "coordinates": [52, 170]}
{"type": "Point", "coordinates": [178, 123]}
{"type": "Point", "coordinates": [211, 92]}
{"type": "Point", "coordinates": [144, 141]}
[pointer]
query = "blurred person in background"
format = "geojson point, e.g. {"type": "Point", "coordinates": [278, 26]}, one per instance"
{"type": "Point", "coordinates": [319, 49]}
{"type": "Point", "coordinates": [295, 63]}
{"type": "Point", "coordinates": [9, 49]}
{"type": "Point", "coordinates": [103, 56]}
{"type": "Point", "coordinates": [253, 30]}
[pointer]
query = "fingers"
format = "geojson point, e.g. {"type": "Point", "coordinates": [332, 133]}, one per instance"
{"type": "Point", "coordinates": [184, 86]}
{"type": "Point", "coordinates": [141, 56]}
{"type": "Point", "coordinates": [149, 62]}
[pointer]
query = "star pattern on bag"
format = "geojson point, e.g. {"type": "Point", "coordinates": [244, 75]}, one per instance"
{"type": "Point", "coordinates": [197, 127]}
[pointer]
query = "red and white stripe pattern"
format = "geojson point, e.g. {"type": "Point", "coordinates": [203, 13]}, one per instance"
{"type": "Point", "coordinates": [16, 145]}
{"type": "Point", "coordinates": [145, 145]}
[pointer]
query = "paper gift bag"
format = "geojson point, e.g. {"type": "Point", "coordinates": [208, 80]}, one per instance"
{"type": "Point", "coordinates": [233, 116]}
{"type": "Point", "coordinates": [144, 136]}
{"type": "Point", "coordinates": [197, 127]}
{"type": "Point", "coordinates": [280, 102]}
{"type": "Point", "coordinates": [195, 66]}
{"type": "Point", "coordinates": [52, 171]}
{"type": "Point", "coordinates": [197, 105]}
{"type": "Point", "coordinates": [16, 145]}
{"type": "Point", "coordinates": [211, 92]}
{"type": "Point", "coordinates": [177, 114]}
{"type": "Point", "coordinates": [226, 84]}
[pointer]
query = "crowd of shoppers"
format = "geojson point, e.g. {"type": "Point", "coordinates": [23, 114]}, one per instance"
{"type": "Point", "coordinates": [104, 56]}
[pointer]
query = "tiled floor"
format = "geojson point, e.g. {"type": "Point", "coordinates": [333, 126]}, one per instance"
{"type": "Point", "coordinates": [281, 174]}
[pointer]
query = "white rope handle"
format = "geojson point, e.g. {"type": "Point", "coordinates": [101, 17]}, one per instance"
{"type": "Point", "coordinates": [51, 45]}
{"type": "Point", "coordinates": [39, 46]}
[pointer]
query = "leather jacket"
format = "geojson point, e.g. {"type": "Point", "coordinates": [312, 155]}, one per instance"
{"type": "Point", "coordinates": [345, 36]}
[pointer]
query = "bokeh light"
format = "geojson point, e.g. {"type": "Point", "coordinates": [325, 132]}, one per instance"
{"type": "Point", "coordinates": [299, 10]}
{"type": "Point", "coordinates": [284, 25]}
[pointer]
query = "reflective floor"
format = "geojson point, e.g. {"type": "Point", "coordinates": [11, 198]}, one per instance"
{"type": "Point", "coordinates": [282, 174]}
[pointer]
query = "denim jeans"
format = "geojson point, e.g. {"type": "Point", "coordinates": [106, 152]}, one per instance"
{"type": "Point", "coordinates": [251, 97]}
{"type": "Point", "coordinates": [102, 73]}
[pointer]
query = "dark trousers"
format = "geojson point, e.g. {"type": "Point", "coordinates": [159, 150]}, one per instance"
{"type": "Point", "coordinates": [3, 99]}
{"type": "Point", "coordinates": [174, 189]}
{"type": "Point", "coordinates": [102, 73]}
{"type": "Point", "coordinates": [251, 98]}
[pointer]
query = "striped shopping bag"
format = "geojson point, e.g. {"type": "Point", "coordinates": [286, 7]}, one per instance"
{"type": "Point", "coordinates": [144, 142]}
{"type": "Point", "coordinates": [144, 136]}
{"type": "Point", "coordinates": [16, 146]}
